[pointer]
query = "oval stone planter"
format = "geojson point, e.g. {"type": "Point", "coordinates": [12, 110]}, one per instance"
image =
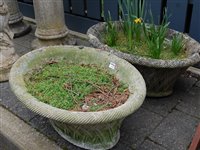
{"type": "Point", "coordinates": [90, 130]}
{"type": "Point", "coordinates": [159, 75]}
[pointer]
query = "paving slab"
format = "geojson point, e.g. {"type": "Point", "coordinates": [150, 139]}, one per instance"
{"type": "Point", "coordinates": [161, 106]}
{"type": "Point", "coordinates": [24, 41]}
{"type": "Point", "coordinates": [43, 125]}
{"type": "Point", "coordinates": [7, 98]}
{"type": "Point", "coordinates": [138, 126]}
{"type": "Point", "coordinates": [22, 135]}
{"type": "Point", "coordinates": [184, 84]}
{"type": "Point", "coordinates": [197, 84]}
{"type": "Point", "coordinates": [21, 50]}
{"type": "Point", "coordinates": [165, 105]}
{"type": "Point", "coordinates": [176, 131]}
{"type": "Point", "coordinates": [21, 111]}
{"type": "Point", "coordinates": [121, 146]}
{"type": "Point", "coordinates": [191, 102]}
{"type": "Point", "coordinates": [149, 145]}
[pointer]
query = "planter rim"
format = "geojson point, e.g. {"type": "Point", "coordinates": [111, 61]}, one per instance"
{"type": "Point", "coordinates": [193, 47]}
{"type": "Point", "coordinates": [18, 87]}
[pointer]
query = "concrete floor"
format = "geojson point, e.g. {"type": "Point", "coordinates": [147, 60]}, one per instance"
{"type": "Point", "coordinates": [160, 124]}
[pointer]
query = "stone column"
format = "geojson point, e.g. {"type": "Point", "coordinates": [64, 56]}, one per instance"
{"type": "Point", "coordinates": [7, 51]}
{"type": "Point", "coordinates": [51, 28]}
{"type": "Point", "coordinates": [17, 26]}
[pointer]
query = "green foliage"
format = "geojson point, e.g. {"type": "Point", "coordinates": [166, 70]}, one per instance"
{"type": "Point", "coordinates": [132, 16]}
{"type": "Point", "coordinates": [155, 35]}
{"type": "Point", "coordinates": [66, 85]}
{"type": "Point", "coordinates": [111, 31]}
{"type": "Point", "coordinates": [144, 39]}
{"type": "Point", "coordinates": [177, 44]}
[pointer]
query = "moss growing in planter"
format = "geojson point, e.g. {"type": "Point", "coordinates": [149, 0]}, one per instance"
{"type": "Point", "coordinates": [76, 87]}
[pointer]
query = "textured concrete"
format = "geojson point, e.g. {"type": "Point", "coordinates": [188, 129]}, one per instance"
{"type": "Point", "coordinates": [149, 145]}
{"type": "Point", "coordinates": [191, 102]}
{"type": "Point", "coordinates": [161, 124]}
{"type": "Point", "coordinates": [22, 135]}
{"type": "Point", "coordinates": [138, 126]}
{"type": "Point", "coordinates": [198, 84]}
{"type": "Point", "coordinates": [176, 131]}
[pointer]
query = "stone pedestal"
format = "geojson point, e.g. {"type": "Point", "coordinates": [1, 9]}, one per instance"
{"type": "Point", "coordinates": [51, 28]}
{"type": "Point", "coordinates": [7, 51]}
{"type": "Point", "coordinates": [17, 26]}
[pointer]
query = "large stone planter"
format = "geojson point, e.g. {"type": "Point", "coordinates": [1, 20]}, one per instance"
{"type": "Point", "coordinates": [90, 130]}
{"type": "Point", "coordinates": [159, 75]}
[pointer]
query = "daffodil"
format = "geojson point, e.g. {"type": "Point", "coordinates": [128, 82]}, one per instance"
{"type": "Point", "coordinates": [138, 20]}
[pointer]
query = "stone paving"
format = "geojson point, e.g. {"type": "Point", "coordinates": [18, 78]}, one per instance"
{"type": "Point", "coordinates": [160, 124]}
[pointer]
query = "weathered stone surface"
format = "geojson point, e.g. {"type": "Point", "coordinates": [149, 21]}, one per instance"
{"type": "Point", "coordinates": [10, 101]}
{"type": "Point", "coordinates": [137, 126]}
{"type": "Point", "coordinates": [149, 145]}
{"type": "Point", "coordinates": [7, 98]}
{"type": "Point", "coordinates": [121, 146]}
{"type": "Point", "coordinates": [176, 131]}
{"type": "Point", "coordinates": [191, 102]}
{"type": "Point", "coordinates": [48, 27]}
{"type": "Point", "coordinates": [165, 105]}
{"type": "Point", "coordinates": [162, 106]}
{"type": "Point", "coordinates": [93, 125]}
{"type": "Point", "coordinates": [198, 84]}
{"type": "Point", "coordinates": [21, 111]}
{"type": "Point", "coordinates": [183, 84]}
{"type": "Point", "coordinates": [21, 50]}
{"type": "Point", "coordinates": [16, 23]}
{"type": "Point", "coordinates": [25, 41]}
{"type": "Point", "coordinates": [22, 135]}
{"type": "Point", "coordinates": [7, 51]}
{"type": "Point", "coordinates": [43, 125]}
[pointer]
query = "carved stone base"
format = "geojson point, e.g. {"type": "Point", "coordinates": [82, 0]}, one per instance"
{"type": "Point", "coordinates": [95, 137]}
{"type": "Point", "coordinates": [20, 28]}
{"type": "Point", "coordinates": [8, 58]}
{"type": "Point", "coordinates": [37, 43]}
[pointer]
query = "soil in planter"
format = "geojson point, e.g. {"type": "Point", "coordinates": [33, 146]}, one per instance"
{"type": "Point", "coordinates": [140, 48]}
{"type": "Point", "coordinates": [76, 87]}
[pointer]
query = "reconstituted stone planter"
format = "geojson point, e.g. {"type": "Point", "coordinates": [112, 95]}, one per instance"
{"type": "Point", "coordinates": [90, 130]}
{"type": "Point", "coordinates": [159, 75]}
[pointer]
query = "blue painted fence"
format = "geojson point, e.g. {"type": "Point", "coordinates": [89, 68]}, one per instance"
{"type": "Point", "coordinates": [81, 14]}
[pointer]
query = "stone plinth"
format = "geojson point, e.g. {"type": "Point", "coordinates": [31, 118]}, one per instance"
{"type": "Point", "coordinates": [51, 28]}
{"type": "Point", "coordinates": [17, 26]}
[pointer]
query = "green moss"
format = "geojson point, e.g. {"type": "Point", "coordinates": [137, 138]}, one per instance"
{"type": "Point", "coordinates": [140, 48]}
{"type": "Point", "coordinates": [66, 85]}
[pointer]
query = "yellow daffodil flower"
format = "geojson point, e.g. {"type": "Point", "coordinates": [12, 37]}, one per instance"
{"type": "Point", "coordinates": [138, 20]}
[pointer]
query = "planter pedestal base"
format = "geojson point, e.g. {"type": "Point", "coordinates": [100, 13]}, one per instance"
{"type": "Point", "coordinates": [95, 137]}
{"type": "Point", "coordinates": [38, 43]}
{"type": "Point", "coordinates": [20, 29]}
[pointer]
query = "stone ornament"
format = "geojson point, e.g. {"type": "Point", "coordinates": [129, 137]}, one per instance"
{"type": "Point", "coordinates": [159, 75]}
{"type": "Point", "coordinates": [89, 130]}
{"type": "Point", "coordinates": [17, 26]}
{"type": "Point", "coordinates": [51, 28]}
{"type": "Point", "coordinates": [7, 51]}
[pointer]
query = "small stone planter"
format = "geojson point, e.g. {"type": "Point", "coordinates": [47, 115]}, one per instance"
{"type": "Point", "coordinates": [90, 130]}
{"type": "Point", "coordinates": [159, 75]}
